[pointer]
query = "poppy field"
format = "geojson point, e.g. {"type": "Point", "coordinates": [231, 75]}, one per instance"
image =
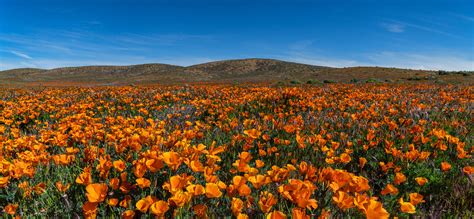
{"type": "Point", "coordinates": [248, 151]}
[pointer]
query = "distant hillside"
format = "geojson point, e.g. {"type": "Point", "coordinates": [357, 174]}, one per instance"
{"type": "Point", "coordinates": [244, 70]}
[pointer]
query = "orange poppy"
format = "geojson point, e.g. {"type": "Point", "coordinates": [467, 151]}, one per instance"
{"type": "Point", "coordinates": [90, 209]}
{"type": "Point", "coordinates": [406, 207]}
{"type": "Point", "coordinates": [375, 210]}
{"type": "Point", "coordinates": [10, 209]}
{"type": "Point", "coordinates": [128, 214]}
{"type": "Point", "coordinates": [236, 206]}
{"type": "Point", "coordinates": [213, 191]}
{"type": "Point", "coordinates": [445, 166]}
{"type": "Point", "coordinates": [96, 192]}
{"type": "Point", "coordinates": [389, 189]}
{"type": "Point", "coordinates": [266, 201]}
{"type": "Point", "coordinates": [276, 215]}
{"type": "Point", "coordinates": [399, 178]}
{"type": "Point", "coordinates": [421, 180]}
{"type": "Point", "coordinates": [416, 198]}
{"type": "Point", "coordinates": [159, 208]}
{"type": "Point", "coordinates": [143, 182]}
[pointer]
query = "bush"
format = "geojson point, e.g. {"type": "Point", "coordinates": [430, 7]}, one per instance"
{"type": "Point", "coordinates": [329, 81]}
{"type": "Point", "coordinates": [354, 80]}
{"type": "Point", "coordinates": [372, 80]}
{"type": "Point", "coordinates": [295, 82]}
{"type": "Point", "coordinates": [313, 81]}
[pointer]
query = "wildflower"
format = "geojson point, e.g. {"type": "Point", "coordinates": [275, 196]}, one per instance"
{"type": "Point", "coordinates": [143, 182]}
{"type": "Point", "coordinates": [212, 190]}
{"type": "Point", "coordinates": [390, 189]}
{"type": "Point", "coordinates": [400, 178]}
{"type": "Point", "coordinates": [375, 210]}
{"type": "Point", "coordinates": [416, 198]}
{"type": "Point", "coordinates": [10, 209]}
{"type": "Point", "coordinates": [276, 215]}
{"type": "Point", "coordinates": [421, 180]}
{"type": "Point", "coordinates": [266, 201]}
{"type": "Point", "coordinates": [96, 192]}
{"type": "Point", "coordinates": [159, 208]}
{"type": "Point", "coordinates": [445, 166]}
{"type": "Point", "coordinates": [406, 207]}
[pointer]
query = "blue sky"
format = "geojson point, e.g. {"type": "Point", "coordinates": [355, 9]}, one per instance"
{"type": "Point", "coordinates": [409, 34]}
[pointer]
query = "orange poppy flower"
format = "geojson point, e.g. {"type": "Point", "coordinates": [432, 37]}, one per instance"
{"type": "Point", "coordinates": [128, 214]}
{"type": "Point", "coordinates": [159, 208]}
{"type": "Point", "coordinates": [267, 201]}
{"type": "Point", "coordinates": [154, 165]}
{"type": "Point", "coordinates": [213, 191]}
{"type": "Point", "coordinates": [406, 207]}
{"type": "Point", "coordinates": [113, 202]}
{"type": "Point", "coordinates": [119, 165]}
{"type": "Point", "coordinates": [276, 215]}
{"type": "Point", "coordinates": [362, 162]}
{"type": "Point", "coordinates": [421, 180]}
{"type": "Point", "coordinates": [445, 166]}
{"type": "Point", "coordinates": [4, 181]}
{"type": "Point", "coordinates": [10, 209]}
{"type": "Point", "coordinates": [61, 187]}
{"type": "Point", "coordinates": [236, 206]}
{"type": "Point", "coordinates": [289, 129]}
{"type": "Point", "coordinates": [389, 189]}
{"type": "Point", "coordinates": [143, 182]}
{"type": "Point", "coordinates": [200, 210]}
{"type": "Point", "coordinates": [399, 178]}
{"type": "Point", "coordinates": [196, 189]}
{"type": "Point", "coordinates": [343, 200]}
{"type": "Point", "coordinates": [84, 178]}
{"type": "Point", "coordinates": [96, 192]}
{"type": "Point", "coordinates": [345, 158]}
{"type": "Point", "coordinates": [172, 159]}
{"type": "Point", "coordinates": [467, 170]}
{"type": "Point", "coordinates": [253, 133]}
{"type": "Point", "coordinates": [239, 184]}
{"type": "Point", "coordinates": [196, 166]}
{"type": "Point", "coordinates": [242, 216]}
{"type": "Point", "coordinates": [416, 198]}
{"type": "Point", "coordinates": [114, 183]}
{"type": "Point", "coordinates": [375, 210]}
{"type": "Point", "coordinates": [145, 203]}
{"type": "Point", "coordinates": [259, 164]}
{"type": "Point", "coordinates": [90, 209]}
{"type": "Point", "coordinates": [299, 213]}
{"type": "Point", "coordinates": [125, 202]}
{"type": "Point", "coordinates": [180, 198]}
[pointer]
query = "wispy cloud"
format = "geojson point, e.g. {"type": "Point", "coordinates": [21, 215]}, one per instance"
{"type": "Point", "coordinates": [393, 27]}
{"type": "Point", "coordinates": [20, 54]}
{"type": "Point", "coordinates": [401, 25]}
{"type": "Point", "coordinates": [59, 48]}
{"type": "Point", "coordinates": [464, 17]}
{"type": "Point", "coordinates": [300, 45]}
{"type": "Point", "coordinates": [393, 59]}
{"type": "Point", "coordinates": [304, 51]}
{"type": "Point", "coordinates": [427, 60]}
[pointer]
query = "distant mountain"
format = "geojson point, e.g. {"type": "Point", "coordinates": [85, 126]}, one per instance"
{"type": "Point", "coordinates": [243, 70]}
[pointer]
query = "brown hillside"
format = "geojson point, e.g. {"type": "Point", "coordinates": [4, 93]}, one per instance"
{"type": "Point", "coordinates": [244, 70]}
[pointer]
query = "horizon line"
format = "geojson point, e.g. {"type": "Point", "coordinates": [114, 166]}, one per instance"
{"type": "Point", "coordinates": [236, 59]}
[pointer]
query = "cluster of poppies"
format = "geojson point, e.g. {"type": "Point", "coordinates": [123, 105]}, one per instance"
{"type": "Point", "coordinates": [252, 151]}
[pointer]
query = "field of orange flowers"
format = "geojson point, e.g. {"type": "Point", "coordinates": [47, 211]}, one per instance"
{"type": "Point", "coordinates": [374, 151]}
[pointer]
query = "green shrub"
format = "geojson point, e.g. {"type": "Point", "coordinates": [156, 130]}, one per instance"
{"type": "Point", "coordinates": [295, 82]}
{"type": "Point", "coordinates": [329, 81]}
{"type": "Point", "coordinates": [313, 81]}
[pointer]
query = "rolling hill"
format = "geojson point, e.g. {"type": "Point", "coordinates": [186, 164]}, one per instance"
{"type": "Point", "coordinates": [234, 71]}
